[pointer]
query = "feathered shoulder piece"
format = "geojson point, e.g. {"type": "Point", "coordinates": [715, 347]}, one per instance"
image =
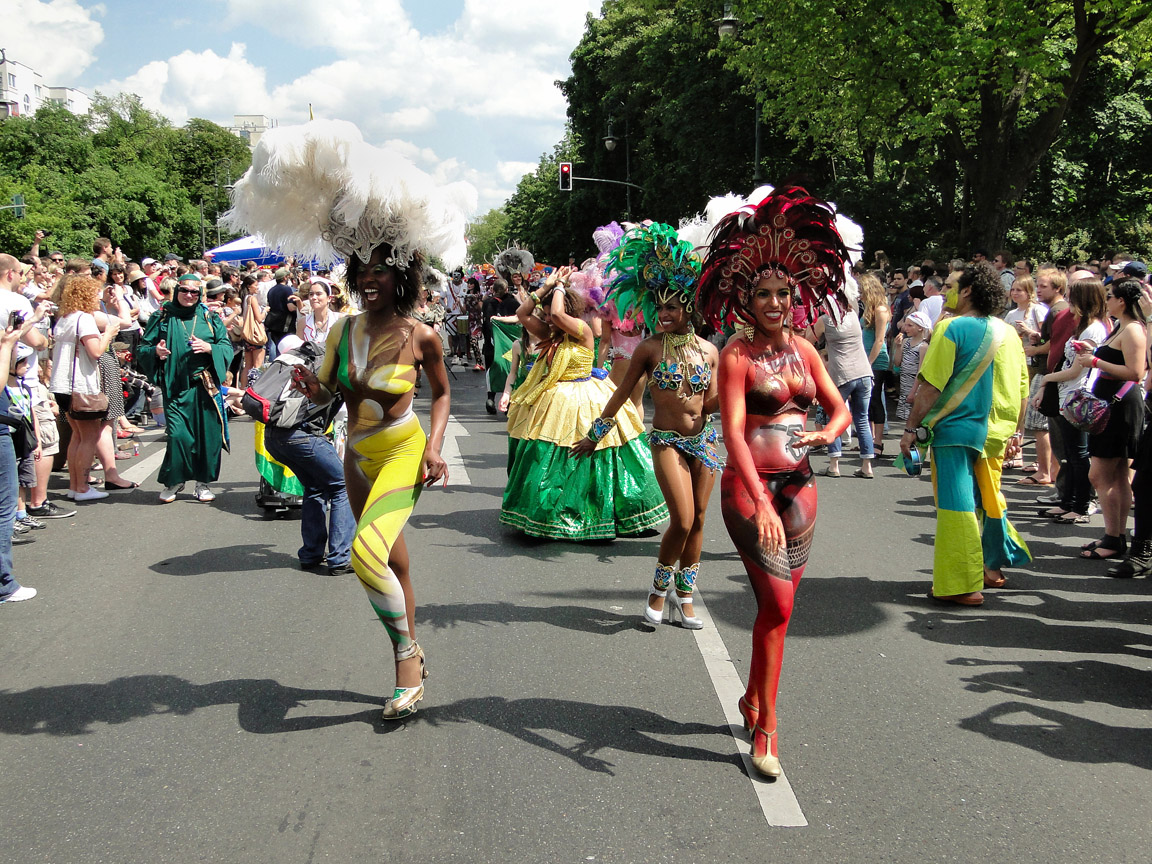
{"type": "Point", "coordinates": [514, 260]}
{"type": "Point", "coordinates": [789, 232]}
{"type": "Point", "coordinates": [318, 191]}
{"type": "Point", "coordinates": [651, 263]}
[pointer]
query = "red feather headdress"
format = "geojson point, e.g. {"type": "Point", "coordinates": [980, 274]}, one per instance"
{"type": "Point", "coordinates": [789, 233]}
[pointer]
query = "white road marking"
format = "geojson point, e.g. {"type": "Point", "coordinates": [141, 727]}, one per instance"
{"type": "Point", "coordinates": [143, 469]}
{"type": "Point", "coordinates": [777, 800]}
{"type": "Point", "coordinates": [450, 452]}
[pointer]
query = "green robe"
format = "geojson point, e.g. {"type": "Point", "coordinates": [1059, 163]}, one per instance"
{"type": "Point", "coordinates": [197, 430]}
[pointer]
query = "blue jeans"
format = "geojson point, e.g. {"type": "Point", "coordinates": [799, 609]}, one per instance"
{"type": "Point", "coordinates": [314, 462]}
{"type": "Point", "coordinates": [857, 393]}
{"type": "Point", "coordinates": [8, 493]}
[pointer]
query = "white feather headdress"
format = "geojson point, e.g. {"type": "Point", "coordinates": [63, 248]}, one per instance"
{"type": "Point", "coordinates": [318, 191]}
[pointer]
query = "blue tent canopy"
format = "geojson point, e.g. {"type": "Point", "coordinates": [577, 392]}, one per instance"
{"type": "Point", "coordinates": [250, 248]}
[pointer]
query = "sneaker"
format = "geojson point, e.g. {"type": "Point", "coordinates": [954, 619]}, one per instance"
{"type": "Point", "coordinates": [31, 523]}
{"type": "Point", "coordinates": [169, 493]}
{"type": "Point", "coordinates": [203, 493]}
{"type": "Point", "coordinates": [21, 593]}
{"type": "Point", "coordinates": [18, 527]}
{"type": "Point", "coordinates": [19, 537]}
{"type": "Point", "coordinates": [341, 570]}
{"type": "Point", "coordinates": [48, 510]}
{"type": "Point", "coordinates": [1093, 508]}
{"type": "Point", "coordinates": [91, 494]}
{"type": "Point", "coordinates": [1051, 498]}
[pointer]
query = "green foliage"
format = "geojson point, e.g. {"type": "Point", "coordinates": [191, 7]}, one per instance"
{"type": "Point", "coordinates": [487, 236]}
{"type": "Point", "coordinates": [121, 172]}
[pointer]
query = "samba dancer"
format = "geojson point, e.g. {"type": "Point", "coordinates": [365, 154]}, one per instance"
{"type": "Point", "coordinates": [655, 273]}
{"type": "Point", "coordinates": [769, 266]}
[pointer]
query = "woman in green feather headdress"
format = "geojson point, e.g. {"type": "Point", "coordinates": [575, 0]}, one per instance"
{"type": "Point", "coordinates": [653, 275]}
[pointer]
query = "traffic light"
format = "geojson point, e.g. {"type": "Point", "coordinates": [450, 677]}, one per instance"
{"type": "Point", "coordinates": [18, 205]}
{"type": "Point", "coordinates": [565, 176]}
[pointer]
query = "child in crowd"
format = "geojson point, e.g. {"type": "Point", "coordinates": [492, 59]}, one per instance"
{"type": "Point", "coordinates": [911, 344]}
{"type": "Point", "coordinates": [20, 400]}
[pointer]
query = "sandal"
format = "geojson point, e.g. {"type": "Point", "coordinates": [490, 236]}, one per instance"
{"type": "Point", "coordinates": [994, 582]}
{"type": "Point", "coordinates": [1073, 518]}
{"type": "Point", "coordinates": [1105, 548]}
{"type": "Point", "coordinates": [828, 472]}
{"type": "Point", "coordinates": [1014, 463]}
{"type": "Point", "coordinates": [1032, 468]}
{"type": "Point", "coordinates": [859, 472]}
{"type": "Point", "coordinates": [1055, 512]}
{"type": "Point", "coordinates": [1032, 481]}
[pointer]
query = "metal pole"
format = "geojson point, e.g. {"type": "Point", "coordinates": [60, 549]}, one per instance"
{"type": "Point", "coordinates": [756, 163]}
{"type": "Point", "coordinates": [203, 242]}
{"type": "Point", "coordinates": [627, 166]}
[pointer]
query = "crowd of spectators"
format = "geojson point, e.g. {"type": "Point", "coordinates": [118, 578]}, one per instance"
{"type": "Point", "coordinates": [80, 326]}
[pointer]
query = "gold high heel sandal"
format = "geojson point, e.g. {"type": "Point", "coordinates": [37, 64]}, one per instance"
{"type": "Point", "coordinates": [748, 724]}
{"type": "Point", "coordinates": [404, 699]}
{"type": "Point", "coordinates": [768, 765]}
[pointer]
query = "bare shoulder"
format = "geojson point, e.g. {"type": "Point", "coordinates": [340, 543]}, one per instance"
{"type": "Point", "coordinates": [708, 350]}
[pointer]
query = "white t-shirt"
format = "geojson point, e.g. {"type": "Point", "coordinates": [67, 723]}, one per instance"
{"type": "Point", "coordinates": [1095, 333]}
{"type": "Point", "coordinates": [932, 307]}
{"type": "Point", "coordinates": [64, 356]}
{"type": "Point", "coordinates": [312, 334]}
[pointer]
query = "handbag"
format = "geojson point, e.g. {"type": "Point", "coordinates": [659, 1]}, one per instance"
{"type": "Point", "coordinates": [251, 330]}
{"type": "Point", "coordinates": [84, 406]}
{"type": "Point", "coordinates": [1087, 411]}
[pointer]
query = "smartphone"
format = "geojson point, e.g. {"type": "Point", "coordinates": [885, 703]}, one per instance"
{"type": "Point", "coordinates": [1079, 346]}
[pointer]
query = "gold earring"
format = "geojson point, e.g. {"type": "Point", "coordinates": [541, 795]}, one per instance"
{"type": "Point", "coordinates": [750, 332]}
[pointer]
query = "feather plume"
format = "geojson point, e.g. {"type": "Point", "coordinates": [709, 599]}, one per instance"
{"type": "Point", "coordinates": [787, 229]}
{"type": "Point", "coordinates": [318, 191]}
{"type": "Point", "coordinates": [650, 261]}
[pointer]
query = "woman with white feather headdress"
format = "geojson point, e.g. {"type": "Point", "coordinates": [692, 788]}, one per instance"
{"type": "Point", "coordinates": [318, 191]}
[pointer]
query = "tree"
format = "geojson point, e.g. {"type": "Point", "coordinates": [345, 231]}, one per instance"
{"type": "Point", "coordinates": [986, 84]}
{"type": "Point", "coordinates": [487, 236]}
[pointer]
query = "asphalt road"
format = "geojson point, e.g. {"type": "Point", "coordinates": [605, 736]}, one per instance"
{"type": "Point", "coordinates": [179, 691]}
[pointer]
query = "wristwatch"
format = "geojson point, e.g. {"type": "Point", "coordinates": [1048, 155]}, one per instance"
{"type": "Point", "coordinates": [920, 432]}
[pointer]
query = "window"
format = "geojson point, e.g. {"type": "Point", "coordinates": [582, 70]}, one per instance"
{"type": "Point", "coordinates": [38, 94]}
{"type": "Point", "coordinates": [11, 80]}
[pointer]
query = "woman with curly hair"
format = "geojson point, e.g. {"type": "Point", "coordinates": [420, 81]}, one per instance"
{"type": "Point", "coordinates": [78, 344]}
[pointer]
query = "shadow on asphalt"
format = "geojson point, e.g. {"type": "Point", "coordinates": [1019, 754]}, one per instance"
{"type": "Point", "coordinates": [1062, 736]}
{"type": "Point", "coordinates": [262, 704]}
{"type": "Point", "coordinates": [581, 619]}
{"type": "Point", "coordinates": [226, 559]}
{"type": "Point", "coordinates": [593, 727]}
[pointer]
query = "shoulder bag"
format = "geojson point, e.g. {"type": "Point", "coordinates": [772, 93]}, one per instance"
{"type": "Point", "coordinates": [1087, 411]}
{"type": "Point", "coordinates": [252, 331]}
{"type": "Point", "coordinates": [84, 406]}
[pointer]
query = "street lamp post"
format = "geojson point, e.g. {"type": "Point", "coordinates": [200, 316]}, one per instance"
{"type": "Point", "coordinates": [728, 27]}
{"type": "Point", "coordinates": [610, 141]}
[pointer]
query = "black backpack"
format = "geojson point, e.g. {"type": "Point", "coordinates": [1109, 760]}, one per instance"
{"type": "Point", "coordinates": [273, 400]}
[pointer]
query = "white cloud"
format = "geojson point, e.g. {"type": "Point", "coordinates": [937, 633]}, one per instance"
{"type": "Point", "coordinates": [75, 33]}
{"type": "Point", "coordinates": [511, 172]}
{"type": "Point", "coordinates": [199, 84]}
{"type": "Point", "coordinates": [496, 66]}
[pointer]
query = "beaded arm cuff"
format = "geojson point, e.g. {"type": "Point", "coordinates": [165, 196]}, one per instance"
{"type": "Point", "coordinates": [600, 428]}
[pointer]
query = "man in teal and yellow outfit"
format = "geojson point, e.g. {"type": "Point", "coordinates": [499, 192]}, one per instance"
{"type": "Point", "coordinates": [973, 384]}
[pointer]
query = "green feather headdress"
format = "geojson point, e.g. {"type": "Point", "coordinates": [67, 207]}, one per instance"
{"type": "Point", "coordinates": [650, 264]}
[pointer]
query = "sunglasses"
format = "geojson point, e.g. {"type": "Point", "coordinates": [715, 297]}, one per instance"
{"type": "Point", "coordinates": [57, 260]}
{"type": "Point", "coordinates": [190, 292]}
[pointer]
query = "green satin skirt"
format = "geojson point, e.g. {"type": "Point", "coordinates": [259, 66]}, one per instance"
{"type": "Point", "coordinates": [611, 493]}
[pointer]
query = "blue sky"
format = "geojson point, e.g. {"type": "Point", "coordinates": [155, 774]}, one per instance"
{"type": "Point", "coordinates": [464, 87]}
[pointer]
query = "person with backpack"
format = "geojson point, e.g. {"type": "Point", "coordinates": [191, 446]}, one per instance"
{"type": "Point", "coordinates": [296, 438]}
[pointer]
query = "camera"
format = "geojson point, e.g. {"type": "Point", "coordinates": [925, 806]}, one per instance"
{"type": "Point", "coordinates": [16, 319]}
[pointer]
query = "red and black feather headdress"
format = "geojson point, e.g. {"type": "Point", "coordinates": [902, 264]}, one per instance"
{"type": "Point", "coordinates": [790, 233]}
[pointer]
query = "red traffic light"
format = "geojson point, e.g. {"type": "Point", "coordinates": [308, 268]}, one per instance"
{"type": "Point", "coordinates": [565, 176]}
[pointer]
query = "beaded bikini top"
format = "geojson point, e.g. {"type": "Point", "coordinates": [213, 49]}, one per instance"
{"type": "Point", "coordinates": [677, 367]}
